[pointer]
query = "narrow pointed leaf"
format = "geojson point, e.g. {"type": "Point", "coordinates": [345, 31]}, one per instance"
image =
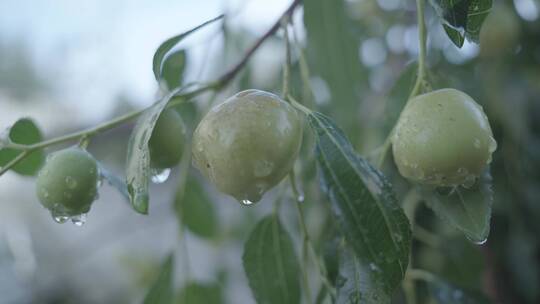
{"type": "Point", "coordinates": [24, 132]}
{"type": "Point", "coordinates": [138, 155]}
{"type": "Point", "coordinates": [162, 291]}
{"type": "Point", "coordinates": [165, 48]}
{"type": "Point", "coordinates": [200, 293]}
{"type": "Point", "coordinates": [195, 210]}
{"type": "Point", "coordinates": [271, 265]}
{"type": "Point", "coordinates": [462, 18]}
{"type": "Point", "coordinates": [364, 205]}
{"type": "Point", "coordinates": [468, 210]}
{"type": "Point", "coordinates": [356, 284]}
{"type": "Point", "coordinates": [173, 69]}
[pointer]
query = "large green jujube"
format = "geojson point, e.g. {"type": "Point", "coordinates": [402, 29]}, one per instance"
{"type": "Point", "coordinates": [442, 138]}
{"type": "Point", "coordinates": [248, 144]}
{"type": "Point", "coordinates": [167, 141]}
{"type": "Point", "coordinates": [67, 183]}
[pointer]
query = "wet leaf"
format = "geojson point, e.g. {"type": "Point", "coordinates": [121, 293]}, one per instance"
{"type": "Point", "coordinates": [195, 210]}
{"type": "Point", "coordinates": [200, 293]}
{"type": "Point", "coordinates": [161, 53]}
{"type": "Point", "coordinates": [468, 210]}
{"type": "Point", "coordinates": [271, 265]}
{"type": "Point", "coordinates": [161, 291]}
{"type": "Point", "coordinates": [24, 132]}
{"type": "Point", "coordinates": [364, 205]}
{"type": "Point", "coordinates": [462, 18]}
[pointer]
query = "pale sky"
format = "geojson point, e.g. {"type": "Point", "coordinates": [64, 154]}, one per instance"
{"type": "Point", "coordinates": [95, 49]}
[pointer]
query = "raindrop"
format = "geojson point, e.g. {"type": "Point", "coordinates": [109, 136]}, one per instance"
{"type": "Point", "coordinates": [479, 242]}
{"type": "Point", "coordinates": [469, 182]}
{"type": "Point", "coordinates": [300, 198]}
{"type": "Point", "coordinates": [79, 220]}
{"type": "Point", "coordinates": [71, 182]}
{"type": "Point", "coordinates": [477, 143]}
{"type": "Point", "coordinates": [99, 181]}
{"type": "Point", "coordinates": [68, 195]}
{"type": "Point", "coordinates": [492, 145]}
{"type": "Point", "coordinates": [373, 267]}
{"type": "Point", "coordinates": [159, 177]}
{"type": "Point", "coordinates": [246, 202]}
{"type": "Point", "coordinates": [263, 168]}
{"type": "Point", "coordinates": [45, 193]}
{"type": "Point", "coordinates": [60, 219]}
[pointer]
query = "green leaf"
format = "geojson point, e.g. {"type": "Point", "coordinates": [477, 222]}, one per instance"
{"type": "Point", "coordinates": [462, 18]}
{"type": "Point", "coordinates": [24, 132]}
{"type": "Point", "coordinates": [200, 293]}
{"type": "Point", "coordinates": [468, 210]}
{"type": "Point", "coordinates": [454, 35]}
{"type": "Point", "coordinates": [364, 205]}
{"type": "Point", "coordinates": [138, 155]}
{"type": "Point", "coordinates": [446, 293]}
{"type": "Point", "coordinates": [173, 69]}
{"type": "Point", "coordinates": [271, 265]}
{"type": "Point", "coordinates": [165, 48]}
{"type": "Point", "coordinates": [114, 181]}
{"type": "Point", "coordinates": [161, 291]}
{"type": "Point", "coordinates": [356, 285]}
{"type": "Point", "coordinates": [333, 54]}
{"type": "Point", "coordinates": [195, 210]}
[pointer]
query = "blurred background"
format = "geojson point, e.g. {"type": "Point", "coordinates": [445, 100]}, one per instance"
{"type": "Point", "coordinates": [71, 65]}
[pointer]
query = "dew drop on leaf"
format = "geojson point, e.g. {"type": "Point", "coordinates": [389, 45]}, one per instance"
{"type": "Point", "coordinates": [160, 176]}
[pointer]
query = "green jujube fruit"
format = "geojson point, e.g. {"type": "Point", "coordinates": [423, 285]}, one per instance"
{"type": "Point", "coordinates": [248, 144]}
{"type": "Point", "coordinates": [167, 141]}
{"type": "Point", "coordinates": [67, 184]}
{"type": "Point", "coordinates": [442, 138]}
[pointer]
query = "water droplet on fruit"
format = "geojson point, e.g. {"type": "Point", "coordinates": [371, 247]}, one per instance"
{"type": "Point", "coordinates": [68, 195]}
{"type": "Point", "coordinates": [246, 202]}
{"type": "Point", "coordinates": [477, 143]}
{"type": "Point", "coordinates": [99, 182]}
{"type": "Point", "coordinates": [263, 168]}
{"type": "Point", "coordinates": [79, 220]}
{"type": "Point", "coordinates": [45, 193]}
{"type": "Point", "coordinates": [469, 182]}
{"type": "Point", "coordinates": [71, 182]}
{"type": "Point", "coordinates": [159, 177]}
{"type": "Point", "coordinates": [300, 198]}
{"type": "Point", "coordinates": [492, 146]}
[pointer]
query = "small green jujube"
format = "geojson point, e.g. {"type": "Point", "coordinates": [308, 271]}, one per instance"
{"type": "Point", "coordinates": [442, 138]}
{"type": "Point", "coordinates": [248, 144]}
{"type": "Point", "coordinates": [68, 182]}
{"type": "Point", "coordinates": [167, 142]}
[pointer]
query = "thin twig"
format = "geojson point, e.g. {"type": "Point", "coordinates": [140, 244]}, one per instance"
{"type": "Point", "coordinates": [213, 86]}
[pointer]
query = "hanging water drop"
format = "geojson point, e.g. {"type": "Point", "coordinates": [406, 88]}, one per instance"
{"type": "Point", "coordinates": [246, 202]}
{"type": "Point", "coordinates": [159, 177]}
{"type": "Point", "coordinates": [79, 220]}
{"type": "Point", "coordinates": [300, 198]}
{"type": "Point", "coordinates": [60, 219]}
